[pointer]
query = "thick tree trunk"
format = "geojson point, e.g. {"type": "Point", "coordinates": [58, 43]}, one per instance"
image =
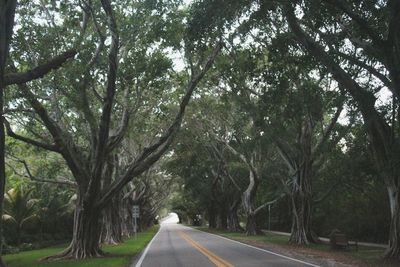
{"type": "Point", "coordinates": [301, 233]}
{"type": "Point", "coordinates": [385, 151]}
{"type": "Point", "coordinates": [7, 13]}
{"type": "Point", "coordinates": [302, 191]}
{"type": "Point", "coordinates": [18, 235]}
{"type": "Point", "coordinates": [233, 222]}
{"type": "Point", "coordinates": [393, 251]}
{"type": "Point", "coordinates": [128, 225]}
{"type": "Point", "coordinates": [251, 226]}
{"type": "Point", "coordinates": [233, 219]}
{"type": "Point", "coordinates": [111, 230]}
{"type": "Point", "coordinates": [222, 219]}
{"type": "Point", "coordinates": [86, 233]}
{"type": "Point", "coordinates": [212, 220]}
{"type": "Point", "coordinates": [248, 199]}
{"type": "Point", "coordinates": [112, 224]}
{"type": "Point", "coordinates": [2, 168]}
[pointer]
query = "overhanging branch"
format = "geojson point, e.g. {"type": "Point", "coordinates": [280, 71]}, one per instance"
{"type": "Point", "coordinates": [30, 141]}
{"type": "Point", "coordinates": [29, 175]}
{"type": "Point", "coordinates": [39, 71]}
{"type": "Point", "coordinates": [152, 153]}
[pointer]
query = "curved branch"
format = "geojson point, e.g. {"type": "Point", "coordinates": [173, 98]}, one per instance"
{"type": "Point", "coordinates": [387, 82]}
{"type": "Point", "coordinates": [39, 71]}
{"type": "Point", "coordinates": [40, 180]}
{"type": "Point", "coordinates": [362, 23]}
{"type": "Point", "coordinates": [152, 153]}
{"type": "Point", "coordinates": [269, 203]}
{"type": "Point", "coordinates": [11, 133]}
{"type": "Point", "coordinates": [329, 128]}
{"type": "Point", "coordinates": [104, 125]}
{"type": "Point", "coordinates": [117, 138]}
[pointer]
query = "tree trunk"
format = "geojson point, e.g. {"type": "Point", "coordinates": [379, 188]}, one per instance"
{"type": "Point", "coordinates": [393, 250]}
{"type": "Point", "coordinates": [212, 223]}
{"type": "Point", "coordinates": [7, 13]}
{"type": "Point", "coordinates": [302, 191]}
{"type": "Point", "coordinates": [111, 232]}
{"type": "Point", "coordinates": [2, 167]}
{"type": "Point", "coordinates": [251, 226]}
{"type": "Point", "coordinates": [86, 232]}
{"type": "Point", "coordinates": [233, 219]}
{"type": "Point", "coordinates": [128, 225]}
{"type": "Point", "coordinates": [222, 217]}
{"type": "Point", "coordinates": [112, 223]}
{"type": "Point", "coordinates": [18, 233]}
{"type": "Point", "coordinates": [248, 204]}
{"type": "Point", "coordinates": [301, 220]}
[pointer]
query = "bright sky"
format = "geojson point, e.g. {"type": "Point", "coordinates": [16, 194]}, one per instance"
{"type": "Point", "coordinates": [171, 218]}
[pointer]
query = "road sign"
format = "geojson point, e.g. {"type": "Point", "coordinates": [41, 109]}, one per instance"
{"type": "Point", "coordinates": [136, 212]}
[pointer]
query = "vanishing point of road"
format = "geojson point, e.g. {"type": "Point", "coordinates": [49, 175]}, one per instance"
{"type": "Point", "coordinates": [176, 245]}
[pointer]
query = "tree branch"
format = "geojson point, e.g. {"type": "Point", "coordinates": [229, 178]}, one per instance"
{"type": "Point", "coordinates": [39, 71]}
{"type": "Point", "coordinates": [329, 128]}
{"type": "Point", "coordinates": [40, 180]}
{"type": "Point", "coordinates": [117, 138]}
{"type": "Point", "coordinates": [283, 152]}
{"type": "Point", "coordinates": [11, 133]}
{"type": "Point", "coordinates": [327, 193]}
{"type": "Point", "coordinates": [269, 203]}
{"type": "Point", "coordinates": [365, 99]}
{"type": "Point", "coordinates": [70, 152]}
{"type": "Point", "coordinates": [104, 126]}
{"type": "Point", "coordinates": [224, 166]}
{"type": "Point", "coordinates": [362, 23]}
{"type": "Point", "coordinates": [152, 153]}
{"type": "Point", "coordinates": [368, 68]}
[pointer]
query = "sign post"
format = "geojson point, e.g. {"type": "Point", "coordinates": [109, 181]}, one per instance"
{"type": "Point", "coordinates": [269, 217]}
{"type": "Point", "coordinates": [136, 214]}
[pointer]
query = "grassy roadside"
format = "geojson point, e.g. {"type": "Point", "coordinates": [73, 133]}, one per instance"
{"type": "Point", "coordinates": [365, 256]}
{"type": "Point", "coordinates": [117, 255]}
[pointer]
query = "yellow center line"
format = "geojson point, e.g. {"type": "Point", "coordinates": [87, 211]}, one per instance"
{"type": "Point", "coordinates": [211, 256]}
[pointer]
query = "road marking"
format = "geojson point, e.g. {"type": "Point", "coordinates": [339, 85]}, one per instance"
{"type": "Point", "coordinates": [219, 262]}
{"type": "Point", "coordinates": [140, 261]}
{"type": "Point", "coordinates": [264, 250]}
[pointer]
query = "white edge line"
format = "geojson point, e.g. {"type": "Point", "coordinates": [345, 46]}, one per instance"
{"type": "Point", "coordinates": [140, 261]}
{"type": "Point", "coordinates": [268, 251]}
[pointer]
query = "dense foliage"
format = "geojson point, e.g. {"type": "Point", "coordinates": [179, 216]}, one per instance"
{"type": "Point", "coordinates": [293, 122]}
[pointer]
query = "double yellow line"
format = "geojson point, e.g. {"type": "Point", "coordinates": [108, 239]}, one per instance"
{"type": "Point", "coordinates": [211, 256]}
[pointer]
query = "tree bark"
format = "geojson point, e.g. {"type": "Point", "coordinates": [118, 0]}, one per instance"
{"type": "Point", "coordinates": [112, 223]}
{"type": "Point", "coordinates": [301, 218]}
{"type": "Point", "coordinates": [222, 219]}
{"type": "Point", "coordinates": [248, 199]}
{"type": "Point", "coordinates": [393, 251]}
{"type": "Point", "coordinates": [86, 232]}
{"type": "Point", "coordinates": [7, 13]}
{"type": "Point", "coordinates": [233, 219]}
{"type": "Point", "coordinates": [301, 195]}
{"type": "Point", "coordinates": [212, 220]}
{"type": "Point", "coordinates": [251, 225]}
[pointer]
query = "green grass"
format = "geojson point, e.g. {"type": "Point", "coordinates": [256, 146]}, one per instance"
{"type": "Point", "coordinates": [370, 256]}
{"type": "Point", "coordinates": [117, 255]}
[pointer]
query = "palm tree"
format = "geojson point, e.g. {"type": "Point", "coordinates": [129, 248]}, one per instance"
{"type": "Point", "coordinates": [19, 209]}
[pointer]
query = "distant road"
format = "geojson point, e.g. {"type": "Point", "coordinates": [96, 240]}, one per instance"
{"type": "Point", "coordinates": [176, 245]}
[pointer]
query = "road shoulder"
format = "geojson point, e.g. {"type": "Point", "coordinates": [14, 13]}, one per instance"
{"type": "Point", "coordinates": [318, 254]}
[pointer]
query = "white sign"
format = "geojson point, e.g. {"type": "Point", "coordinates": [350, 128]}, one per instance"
{"type": "Point", "coordinates": [136, 212]}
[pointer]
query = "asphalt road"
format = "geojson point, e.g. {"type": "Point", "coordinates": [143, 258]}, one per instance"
{"type": "Point", "coordinates": [176, 245]}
